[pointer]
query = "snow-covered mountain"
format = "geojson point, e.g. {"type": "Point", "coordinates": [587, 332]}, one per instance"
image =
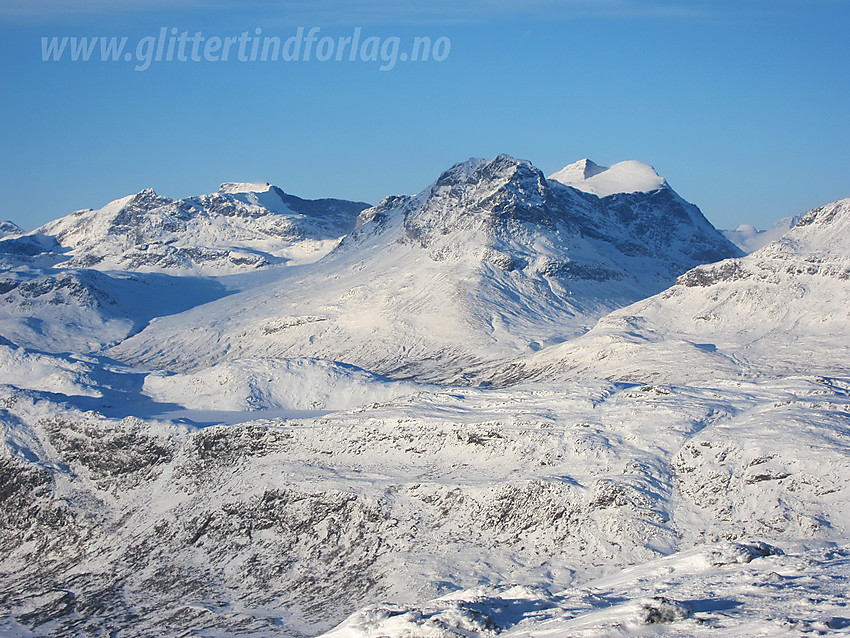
{"type": "Point", "coordinates": [9, 229]}
{"type": "Point", "coordinates": [489, 261]}
{"type": "Point", "coordinates": [749, 239]}
{"type": "Point", "coordinates": [243, 478]}
{"type": "Point", "coordinates": [784, 309]}
{"type": "Point", "coordinates": [624, 177]}
{"type": "Point", "coordinates": [93, 278]}
{"type": "Point", "coordinates": [242, 226]}
{"type": "Point", "coordinates": [286, 526]}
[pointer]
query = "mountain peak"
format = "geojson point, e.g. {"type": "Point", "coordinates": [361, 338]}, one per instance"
{"type": "Point", "coordinates": [244, 187]}
{"type": "Point", "coordinates": [241, 227]}
{"type": "Point", "coordinates": [461, 172]}
{"type": "Point", "coordinates": [486, 262]}
{"type": "Point", "coordinates": [630, 176]}
{"type": "Point", "coordinates": [478, 195]}
{"type": "Point", "coordinates": [823, 232]}
{"type": "Point", "coordinates": [578, 171]}
{"type": "Point", "coordinates": [835, 214]}
{"type": "Point", "coordinates": [749, 238]}
{"type": "Point", "coordinates": [10, 229]}
{"type": "Point", "coordinates": [477, 170]}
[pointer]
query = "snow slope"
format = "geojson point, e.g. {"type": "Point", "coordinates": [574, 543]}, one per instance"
{"type": "Point", "coordinates": [243, 226]}
{"type": "Point", "coordinates": [488, 262]}
{"type": "Point", "coordinates": [271, 384]}
{"type": "Point", "coordinates": [782, 310]}
{"type": "Point", "coordinates": [280, 527]}
{"type": "Point", "coordinates": [83, 310]}
{"type": "Point", "coordinates": [727, 589]}
{"type": "Point", "coordinates": [624, 177]}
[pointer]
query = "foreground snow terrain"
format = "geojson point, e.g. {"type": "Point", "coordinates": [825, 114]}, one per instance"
{"type": "Point", "coordinates": [230, 461]}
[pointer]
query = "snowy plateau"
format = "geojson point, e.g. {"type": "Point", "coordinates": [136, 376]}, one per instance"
{"type": "Point", "coordinates": [508, 405]}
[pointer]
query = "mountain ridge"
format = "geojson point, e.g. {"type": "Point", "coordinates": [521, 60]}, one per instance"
{"type": "Point", "coordinates": [797, 287]}
{"type": "Point", "coordinates": [223, 232]}
{"type": "Point", "coordinates": [491, 258]}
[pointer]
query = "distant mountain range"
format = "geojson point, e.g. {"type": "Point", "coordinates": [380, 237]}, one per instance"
{"type": "Point", "coordinates": [490, 261]}
{"type": "Point", "coordinates": [96, 276]}
{"type": "Point", "coordinates": [242, 226]}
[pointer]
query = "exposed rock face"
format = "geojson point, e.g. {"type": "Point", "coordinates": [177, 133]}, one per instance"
{"type": "Point", "coordinates": [490, 261]}
{"type": "Point", "coordinates": [781, 310]}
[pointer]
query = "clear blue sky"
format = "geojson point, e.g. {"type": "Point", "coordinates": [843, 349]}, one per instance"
{"type": "Point", "coordinates": [742, 106]}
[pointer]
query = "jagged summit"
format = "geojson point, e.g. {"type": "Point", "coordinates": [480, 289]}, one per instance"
{"type": "Point", "coordinates": [468, 194]}
{"type": "Point", "coordinates": [462, 171]}
{"type": "Point", "coordinates": [624, 177]}
{"type": "Point", "coordinates": [488, 261]}
{"type": "Point", "coordinates": [503, 199]}
{"type": "Point", "coordinates": [479, 195]}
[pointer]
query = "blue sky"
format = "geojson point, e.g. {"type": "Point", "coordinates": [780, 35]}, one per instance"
{"type": "Point", "coordinates": [741, 106]}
